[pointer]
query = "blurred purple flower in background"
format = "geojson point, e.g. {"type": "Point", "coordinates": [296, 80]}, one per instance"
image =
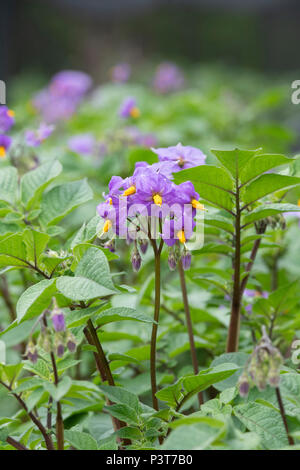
{"type": "Point", "coordinates": [84, 144]}
{"type": "Point", "coordinates": [5, 143]}
{"type": "Point", "coordinates": [129, 108]}
{"type": "Point", "coordinates": [61, 98]}
{"type": "Point", "coordinates": [168, 77]}
{"type": "Point", "coordinates": [140, 139]}
{"type": "Point", "coordinates": [35, 138]}
{"type": "Point", "coordinates": [120, 73]}
{"type": "Point", "coordinates": [7, 119]}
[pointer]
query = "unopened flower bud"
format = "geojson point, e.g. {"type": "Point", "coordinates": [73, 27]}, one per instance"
{"type": "Point", "coordinates": [110, 245]}
{"type": "Point", "coordinates": [136, 260]}
{"type": "Point", "coordinates": [71, 342]}
{"type": "Point", "coordinates": [58, 320]}
{"type": "Point", "coordinates": [172, 261]}
{"type": "Point", "coordinates": [31, 352]}
{"type": "Point", "coordinates": [143, 246]}
{"type": "Point", "coordinates": [60, 350]}
{"type": "Point", "coordinates": [186, 260]}
{"type": "Point", "coordinates": [244, 386]}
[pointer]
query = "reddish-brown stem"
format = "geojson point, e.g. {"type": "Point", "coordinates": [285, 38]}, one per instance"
{"type": "Point", "coordinates": [283, 417]}
{"type": "Point", "coordinates": [16, 444]}
{"type": "Point", "coordinates": [189, 325]}
{"type": "Point", "coordinates": [59, 418]}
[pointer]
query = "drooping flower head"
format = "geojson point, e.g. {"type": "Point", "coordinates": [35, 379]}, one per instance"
{"type": "Point", "coordinates": [120, 73]}
{"type": "Point", "coordinates": [35, 138]}
{"type": "Point", "coordinates": [168, 77]}
{"type": "Point", "coordinates": [129, 109]}
{"type": "Point", "coordinates": [180, 157]}
{"type": "Point", "coordinates": [5, 143]}
{"type": "Point", "coordinates": [83, 144]}
{"type": "Point", "coordinates": [7, 119]}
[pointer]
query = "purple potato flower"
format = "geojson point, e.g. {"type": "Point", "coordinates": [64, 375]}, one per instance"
{"type": "Point", "coordinates": [7, 119]}
{"type": "Point", "coordinates": [129, 109]}
{"type": "Point", "coordinates": [168, 77]}
{"type": "Point", "coordinates": [180, 157]}
{"type": "Point", "coordinates": [35, 138]}
{"type": "Point", "coordinates": [70, 83]}
{"type": "Point", "coordinates": [5, 143]}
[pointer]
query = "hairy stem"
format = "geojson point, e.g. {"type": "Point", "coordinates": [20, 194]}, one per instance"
{"type": "Point", "coordinates": [4, 289]}
{"type": "Point", "coordinates": [154, 331]}
{"type": "Point", "coordinates": [234, 326]}
{"type": "Point", "coordinates": [189, 324]}
{"type": "Point", "coordinates": [16, 444]}
{"type": "Point", "coordinates": [59, 418]}
{"type": "Point", "coordinates": [102, 366]}
{"type": "Point", "coordinates": [281, 409]}
{"type": "Point", "coordinates": [34, 419]}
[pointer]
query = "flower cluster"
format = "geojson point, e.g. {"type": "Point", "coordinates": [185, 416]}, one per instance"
{"type": "Point", "coordinates": [61, 98]}
{"type": "Point", "coordinates": [52, 341]}
{"type": "Point", "coordinates": [7, 120]}
{"type": "Point", "coordinates": [148, 205]}
{"type": "Point", "coordinates": [263, 367]}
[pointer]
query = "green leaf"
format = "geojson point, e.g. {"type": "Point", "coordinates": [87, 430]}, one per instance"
{"type": "Point", "coordinates": [265, 210]}
{"type": "Point", "coordinates": [123, 412]}
{"type": "Point", "coordinates": [8, 184]}
{"type": "Point", "coordinates": [176, 395]}
{"type": "Point", "coordinates": [35, 182]}
{"type": "Point", "coordinates": [120, 395]}
{"type": "Point", "coordinates": [9, 373]}
{"type": "Point", "coordinates": [59, 391]}
{"type": "Point", "coordinates": [13, 251]}
{"type": "Point", "coordinates": [81, 440]}
{"type": "Point", "coordinates": [61, 200]}
{"type": "Point", "coordinates": [267, 184]}
{"type": "Point", "coordinates": [94, 266]}
{"type": "Point", "coordinates": [260, 164]}
{"type": "Point", "coordinates": [35, 299]}
{"type": "Point", "coordinates": [35, 243]}
{"type": "Point", "coordinates": [265, 421]}
{"type": "Point", "coordinates": [239, 359]}
{"type": "Point", "coordinates": [235, 160]}
{"type": "Point", "coordinates": [121, 313]}
{"type": "Point", "coordinates": [81, 289]}
{"type": "Point", "coordinates": [211, 182]}
{"type": "Point", "coordinates": [197, 436]}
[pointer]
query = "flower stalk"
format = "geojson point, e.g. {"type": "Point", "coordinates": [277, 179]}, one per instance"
{"type": "Point", "coordinates": [189, 325]}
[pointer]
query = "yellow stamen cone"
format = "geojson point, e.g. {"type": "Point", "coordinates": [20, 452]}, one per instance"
{"type": "Point", "coordinates": [11, 113]}
{"type": "Point", "coordinates": [181, 236]}
{"type": "Point", "coordinates": [197, 205]}
{"type": "Point", "coordinates": [298, 203]}
{"type": "Point", "coordinates": [157, 199]}
{"type": "Point", "coordinates": [135, 112]}
{"type": "Point", "coordinates": [2, 151]}
{"type": "Point", "coordinates": [131, 190]}
{"type": "Point", "coordinates": [107, 226]}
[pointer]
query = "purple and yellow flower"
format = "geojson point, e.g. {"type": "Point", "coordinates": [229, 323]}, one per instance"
{"type": "Point", "coordinates": [168, 77]}
{"type": "Point", "coordinates": [7, 119]}
{"type": "Point", "coordinates": [180, 157]}
{"type": "Point", "coordinates": [70, 83]}
{"type": "Point", "coordinates": [129, 109]}
{"type": "Point", "coordinates": [35, 138]}
{"type": "Point", "coordinates": [120, 73]}
{"type": "Point", "coordinates": [5, 143]}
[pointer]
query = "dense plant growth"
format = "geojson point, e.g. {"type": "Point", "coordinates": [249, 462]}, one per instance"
{"type": "Point", "coordinates": [149, 290]}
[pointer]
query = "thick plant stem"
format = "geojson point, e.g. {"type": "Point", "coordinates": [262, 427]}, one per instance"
{"type": "Point", "coordinates": [59, 418]}
{"type": "Point", "coordinates": [102, 365]}
{"type": "Point", "coordinates": [189, 324]}
{"type": "Point", "coordinates": [281, 409]}
{"type": "Point", "coordinates": [17, 445]}
{"type": "Point", "coordinates": [234, 325]}
{"type": "Point", "coordinates": [154, 330]}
